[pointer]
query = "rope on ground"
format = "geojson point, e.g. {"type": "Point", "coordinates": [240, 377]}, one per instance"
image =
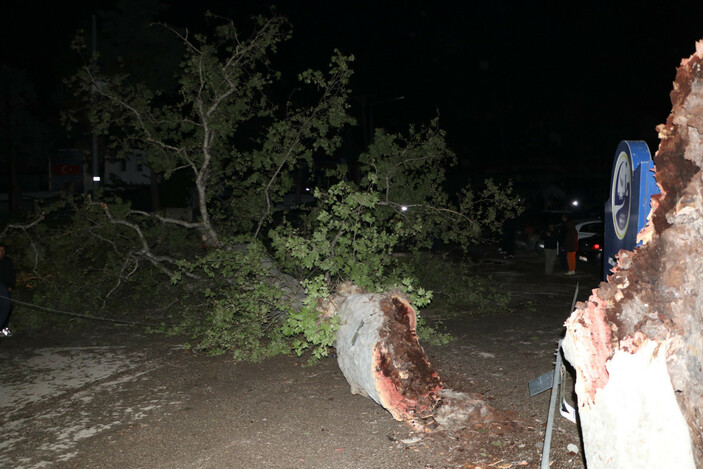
{"type": "Point", "coordinates": [78, 315]}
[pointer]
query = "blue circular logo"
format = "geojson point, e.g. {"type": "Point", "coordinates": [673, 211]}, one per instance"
{"type": "Point", "coordinates": [620, 196]}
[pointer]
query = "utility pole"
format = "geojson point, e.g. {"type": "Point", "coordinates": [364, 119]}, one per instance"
{"type": "Point", "coordinates": [93, 91]}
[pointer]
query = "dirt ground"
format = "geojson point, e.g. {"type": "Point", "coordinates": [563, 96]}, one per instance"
{"type": "Point", "coordinates": [119, 398]}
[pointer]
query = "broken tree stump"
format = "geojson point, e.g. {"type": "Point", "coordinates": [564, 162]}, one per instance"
{"type": "Point", "coordinates": [637, 344]}
{"type": "Point", "coordinates": [380, 356]}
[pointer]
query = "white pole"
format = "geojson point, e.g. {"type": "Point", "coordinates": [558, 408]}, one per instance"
{"type": "Point", "coordinates": [96, 163]}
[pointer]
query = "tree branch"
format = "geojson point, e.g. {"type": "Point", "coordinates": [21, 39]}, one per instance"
{"type": "Point", "coordinates": [145, 251]}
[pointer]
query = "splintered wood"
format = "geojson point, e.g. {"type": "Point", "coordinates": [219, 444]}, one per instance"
{"type": "Point", "coordinates": [636, 344]}
{"type": "Point", "coordinates": [380, 356]}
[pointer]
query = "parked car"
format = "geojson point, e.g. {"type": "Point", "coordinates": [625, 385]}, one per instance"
{"type": "Point", "coordinates": [589, 228]}
{"type": "Point", "coordinates": [586, 228]}
{"type": "Point", "coordinates": [591, 249]}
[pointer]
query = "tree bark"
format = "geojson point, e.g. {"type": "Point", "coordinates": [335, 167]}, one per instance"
{"type": "Point", "coordinates": [380, 356]}
{"type": "Point", "coordinates": [637, 344]}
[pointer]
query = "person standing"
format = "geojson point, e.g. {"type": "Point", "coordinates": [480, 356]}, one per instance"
{"type": "Point", "coordinates": [571, 244]}
{"type": "Point", "coordinates": [7, 284]}
{"type": "Point", "coordinates": [551, 243]}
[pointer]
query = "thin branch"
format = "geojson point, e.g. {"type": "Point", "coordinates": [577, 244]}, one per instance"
{"type": "Point", "coordinates": [429, 208]}
{"type": "Point", "coordinates": [120, 277]}
{"type": "Point", "coordinates": [168, 220]}
{"type": "Point", "coordinates": [267, 189]}
{"type": "Point", "coordinates": [22, 226]}
{"type": "Point", "coordinates": [182, 37]}
{"type": "Point", "coordinates": [330, 90]}
{"type": "Point", "coordinates": [145, 251]}
{"type": "Point", "coordinates": [132, 110]}
{"type": "Point", "coordinates": [25, 227]}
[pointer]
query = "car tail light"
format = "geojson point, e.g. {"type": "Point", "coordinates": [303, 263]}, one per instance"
{"type": "Point", "coordinates": [596, 247]}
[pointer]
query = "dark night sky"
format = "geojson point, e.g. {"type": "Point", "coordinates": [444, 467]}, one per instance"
{"type": "Point", "coordinates": [554, 84]}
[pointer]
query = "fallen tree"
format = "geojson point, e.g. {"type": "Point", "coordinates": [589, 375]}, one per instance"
{"type": "Point", "coordinates": [380, 355]}
{"type": "Point", "coordinates": [636, 344]}
{"type": "Point", "coordinates": [242, 153]}
{"type": "Point", "coordinates": [247, 255]}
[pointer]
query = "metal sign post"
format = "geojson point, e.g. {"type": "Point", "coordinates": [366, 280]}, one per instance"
{"type": "Point", "coordinates": [554, 379]}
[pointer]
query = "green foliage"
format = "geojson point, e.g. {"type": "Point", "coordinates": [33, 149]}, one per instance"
{"type": "Point", "coordinates": [239, 147]}
{"type": "Point", "coordinates": [463, 291]}
{"type": "Point", "coordinates": [430, 333]}
{"type": "Point", "coordinates": [352, 232]}
{"type": "Point", "coordinates": [312, 331]}
{"type": "Point", "coordinates": [241, 151]}
{"type": "Point", "coordinates": [409, 174]}
{"type": "Point", "coordinates": [343, 240]}
{"type": "Point", "coordinates": [417, 297]}
{"type": "Point", "coordinates": [244, 307]}
{"type": "Point", "coordinates": [420, 298]}
{"type": "Point", "coordinates": [83, 262]}
{"type": "Point", "coordinates": [307, 325]}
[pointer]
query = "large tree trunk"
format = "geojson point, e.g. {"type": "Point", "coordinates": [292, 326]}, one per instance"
{"type": "Point", "coordinates": [380, 356]}
{"type": "Point", "coordinates": [637, 344]}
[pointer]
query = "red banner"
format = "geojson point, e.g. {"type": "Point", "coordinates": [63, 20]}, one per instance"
{"type": "Point", "coordinates": [65, 169]}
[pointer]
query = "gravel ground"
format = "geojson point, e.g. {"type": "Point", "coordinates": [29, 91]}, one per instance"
{"type": "Point", "coordinates": [118, 398]}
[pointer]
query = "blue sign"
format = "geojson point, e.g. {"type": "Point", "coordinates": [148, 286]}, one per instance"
{"type": "Point", "coordinates": [632, 185]}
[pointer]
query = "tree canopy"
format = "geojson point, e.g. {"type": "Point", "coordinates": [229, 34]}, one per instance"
{"type": "Point", "coordinates": [262, 265]}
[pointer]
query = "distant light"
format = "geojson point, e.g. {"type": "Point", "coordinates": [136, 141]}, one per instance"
{"type": "Point", "coordinates": [596, 247]}
{"type": "Point", "coordinates": [307, 189]}
{"type": "Point", "coordinates": [96, 178]}
{"type": "Point", "coordinates": [404, 208]}
{"type": "Point", "coordinates": [575, 203]}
